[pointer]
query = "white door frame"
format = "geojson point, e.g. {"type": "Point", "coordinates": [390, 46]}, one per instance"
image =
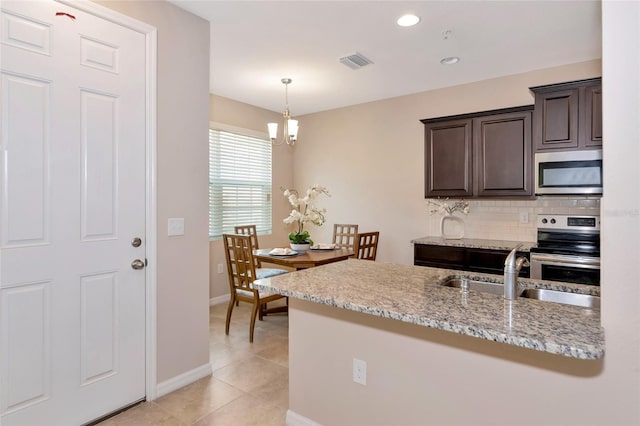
{"type": "Point", "coordinates": [150, 34]}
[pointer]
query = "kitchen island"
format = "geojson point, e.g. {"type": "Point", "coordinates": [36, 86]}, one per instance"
{"type": "Point", "coordinates": [413, 294]}
{"type": "Point", "coordinates": [434, 355]}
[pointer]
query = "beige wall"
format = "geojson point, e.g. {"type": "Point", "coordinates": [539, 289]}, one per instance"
{"type": "Point", "coordinates": [371, 158]}
{"type": "Point", "coordinates": [421, 376]}
{"type": "Point", "coordinates": [182, 191]}
{"type": "Point", "coordinates": [245, 116]}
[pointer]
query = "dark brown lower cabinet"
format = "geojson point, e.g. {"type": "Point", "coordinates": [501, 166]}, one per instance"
{"type": "Point", "coordinates": [487, 261]}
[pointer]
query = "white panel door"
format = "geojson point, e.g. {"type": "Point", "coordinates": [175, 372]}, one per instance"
{"type": "Point", "coordinates": [72, 198]}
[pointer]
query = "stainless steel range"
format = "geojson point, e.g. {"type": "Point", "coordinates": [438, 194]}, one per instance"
{"type": "Point", "coordinates": [568, 249]}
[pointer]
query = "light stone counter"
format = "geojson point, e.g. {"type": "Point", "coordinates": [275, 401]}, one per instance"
{"type": "Point", "coordinates": [476, 243]}
{"type": "Point", "coordinates": [412, 294]}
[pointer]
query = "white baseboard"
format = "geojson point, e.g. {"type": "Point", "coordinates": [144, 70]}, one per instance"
{"type": "Point", "coordinates": [219, 299]}
{"type": "Point", "coordinates": [295, 419]}
{"type": "Point", "coordinates": [182, 380]}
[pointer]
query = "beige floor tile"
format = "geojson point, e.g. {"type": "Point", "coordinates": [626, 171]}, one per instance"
{"type": "Point", "coordinates": [276, 391]}
{"type": "Point", "coordinates": [218, 311]}
{"type": "Point", "coordinates": [221, 354]}
{"type": "Point", "coordinates": [238, 336]}
{"type": "Point", "coordinates": [145, 414]}
{"type": "Point", "coordinates": [250, 373]}
{"type": "Point", "coordinates": [246, 411]}
{"type": "Point", "coordinates": [198, 399]}
{"type": "Point", "coordinates": [275, 350]}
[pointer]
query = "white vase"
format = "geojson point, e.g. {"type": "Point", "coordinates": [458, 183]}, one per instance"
{"type": "Point", "coordinates": [451, 227]}
{"type": "Point", "coordinates": [300, 248]}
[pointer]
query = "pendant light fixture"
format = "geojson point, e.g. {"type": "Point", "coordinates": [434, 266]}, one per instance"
{"type": "Point", "coordinates": [290, 132]}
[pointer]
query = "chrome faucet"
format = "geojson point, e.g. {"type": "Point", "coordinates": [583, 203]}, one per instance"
{"type": "Point", "coordinates": [512, 266]}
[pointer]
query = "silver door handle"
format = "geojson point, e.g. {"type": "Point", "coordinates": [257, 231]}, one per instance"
{"type": "Point", "coordinates": [137, 264]}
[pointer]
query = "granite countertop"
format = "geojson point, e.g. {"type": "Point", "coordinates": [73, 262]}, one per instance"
{"type": "Point", "coordinates": [412, 294]}
{"type": "Point", "coordinates": [476, 243]}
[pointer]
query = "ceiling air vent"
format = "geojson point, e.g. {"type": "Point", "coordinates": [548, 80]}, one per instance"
{"type": "Point", "coordinates": [355, 61]}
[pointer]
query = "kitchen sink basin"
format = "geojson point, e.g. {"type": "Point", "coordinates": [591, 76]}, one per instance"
{"type": "Point", "coordinates": [584, 300]}
{"type": "Point", "coordinates": [473, 285]}
{"type": "Point", "coordinates": [467, 284]}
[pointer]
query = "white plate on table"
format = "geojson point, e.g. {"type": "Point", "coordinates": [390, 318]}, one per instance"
{"type": "Point", "coordinates": [323, 247]}
{"type": "Point", "coordinates": [282, 252]}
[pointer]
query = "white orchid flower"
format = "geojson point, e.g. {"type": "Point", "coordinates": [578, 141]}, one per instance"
{"type": "Point", "coordinates": [303, 211]}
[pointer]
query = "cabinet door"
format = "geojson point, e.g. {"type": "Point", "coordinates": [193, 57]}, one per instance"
{"type": "Point", "coordinates": [439, 256]}
{"type": "Point", "coordinates": [492, 261]}
{"type": "Point", "coordinates": [556, 120]}
{"type": "Point", "coordinates": [502, 152]}
{"type": "Point", "coordinates": [448, 150]}
{"type": "Point", "coordinates": [593, 117]}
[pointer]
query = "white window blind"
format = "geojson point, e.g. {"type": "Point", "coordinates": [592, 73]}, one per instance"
{"type": "Point", "coordinates": [239, 182]}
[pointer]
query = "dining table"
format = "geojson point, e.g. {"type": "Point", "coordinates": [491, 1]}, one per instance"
{"type": "Point", "coordinates": [304, 260]}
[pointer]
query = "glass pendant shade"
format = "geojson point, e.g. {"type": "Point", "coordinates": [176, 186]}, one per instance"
{"type": "Point", "coordinates": [273, 130]}
{"type": "Point", "coordinates": [293, 129]}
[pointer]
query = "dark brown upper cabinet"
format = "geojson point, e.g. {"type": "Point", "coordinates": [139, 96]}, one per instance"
{"type": "Point", "coordinates": [568, 116]}
{"type": "Point", "coordinates": [485, 154]}
{"type": "Point", "coordinates": [448, 155]}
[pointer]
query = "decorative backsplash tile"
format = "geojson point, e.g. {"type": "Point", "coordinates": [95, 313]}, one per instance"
{"type": "Point", "coordinates": [500, 219]}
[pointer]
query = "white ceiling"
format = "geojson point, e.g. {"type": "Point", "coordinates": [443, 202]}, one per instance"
{"type": "Point", "coordinates": [256, 43]}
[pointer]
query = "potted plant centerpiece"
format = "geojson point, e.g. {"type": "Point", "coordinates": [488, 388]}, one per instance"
{"type": "Point", "coordinates": [304, 211]}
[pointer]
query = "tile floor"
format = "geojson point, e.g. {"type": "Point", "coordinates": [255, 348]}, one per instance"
{"type": "Point", "coordinates": [249, 384]}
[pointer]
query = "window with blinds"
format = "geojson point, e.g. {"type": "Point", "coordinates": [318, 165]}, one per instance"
{"type": "Point", "coordinates": [239, 182]}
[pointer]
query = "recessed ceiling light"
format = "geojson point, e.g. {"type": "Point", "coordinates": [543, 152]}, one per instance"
{"type": "Point", "coordinates": [450, 60]}
{"type": "Point", "coordinates": [408, 20]}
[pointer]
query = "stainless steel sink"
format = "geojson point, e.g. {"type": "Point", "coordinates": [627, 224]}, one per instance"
{"type": "Point", "coordinates": [467, 284]}
{"type": "Point", "coordinates": [584, 300]}
{"type": "Point", "coordinates": [473, 285]}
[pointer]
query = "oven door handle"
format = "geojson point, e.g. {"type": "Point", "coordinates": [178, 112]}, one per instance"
{"type": "Point", "coordinates": [561, 260]}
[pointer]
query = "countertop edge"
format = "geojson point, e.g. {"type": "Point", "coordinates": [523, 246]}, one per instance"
{"type": "Point", "coordinates": [507, 245]}
{"type": "Point", "coordinates": [591, 353]}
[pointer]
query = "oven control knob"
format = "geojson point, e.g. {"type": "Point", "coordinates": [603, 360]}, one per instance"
{"type": "Point", "coordinates": [544, 220]}
{"type": "Point", "coordinates": [553, 221]}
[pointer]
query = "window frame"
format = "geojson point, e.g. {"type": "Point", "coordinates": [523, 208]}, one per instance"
{"type": "Point", "coordinates": [244, 133]}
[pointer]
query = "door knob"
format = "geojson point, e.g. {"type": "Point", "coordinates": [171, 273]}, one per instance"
{"type": "Point", "coordinates": [137, 264]}
{"type": "Point", "coordinates": [136, 242]}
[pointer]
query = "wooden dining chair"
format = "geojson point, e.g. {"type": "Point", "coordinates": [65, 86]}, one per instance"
{"type": "Point", "coordinates": [345, 236]}
{"type": "Point", "coordinates": [253, 233]}
{"type": "Point", "coordinates": [241, 269]}
{"type": "Point", "coordinates": [367, 245]}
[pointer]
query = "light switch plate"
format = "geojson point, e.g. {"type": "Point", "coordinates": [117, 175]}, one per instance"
{"type": "Point", "coordinates": [524, 217]}
{"type": "Point", "coordinates": [175, 226]}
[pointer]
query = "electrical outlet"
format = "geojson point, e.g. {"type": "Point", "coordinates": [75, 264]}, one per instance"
{"type": "Point", "coordinates": [360, 371]}
{"type": "Point", "coordinates": [220, 268]}
{"type": "Point", "coordinates": [524, 217]}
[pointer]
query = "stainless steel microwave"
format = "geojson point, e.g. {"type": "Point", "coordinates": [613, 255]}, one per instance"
{"type": "Point", "coordinates": [569, 172]}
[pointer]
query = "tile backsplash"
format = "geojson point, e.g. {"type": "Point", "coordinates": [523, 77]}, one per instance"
{"type": "Point", "coordinates": [500, 219]}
